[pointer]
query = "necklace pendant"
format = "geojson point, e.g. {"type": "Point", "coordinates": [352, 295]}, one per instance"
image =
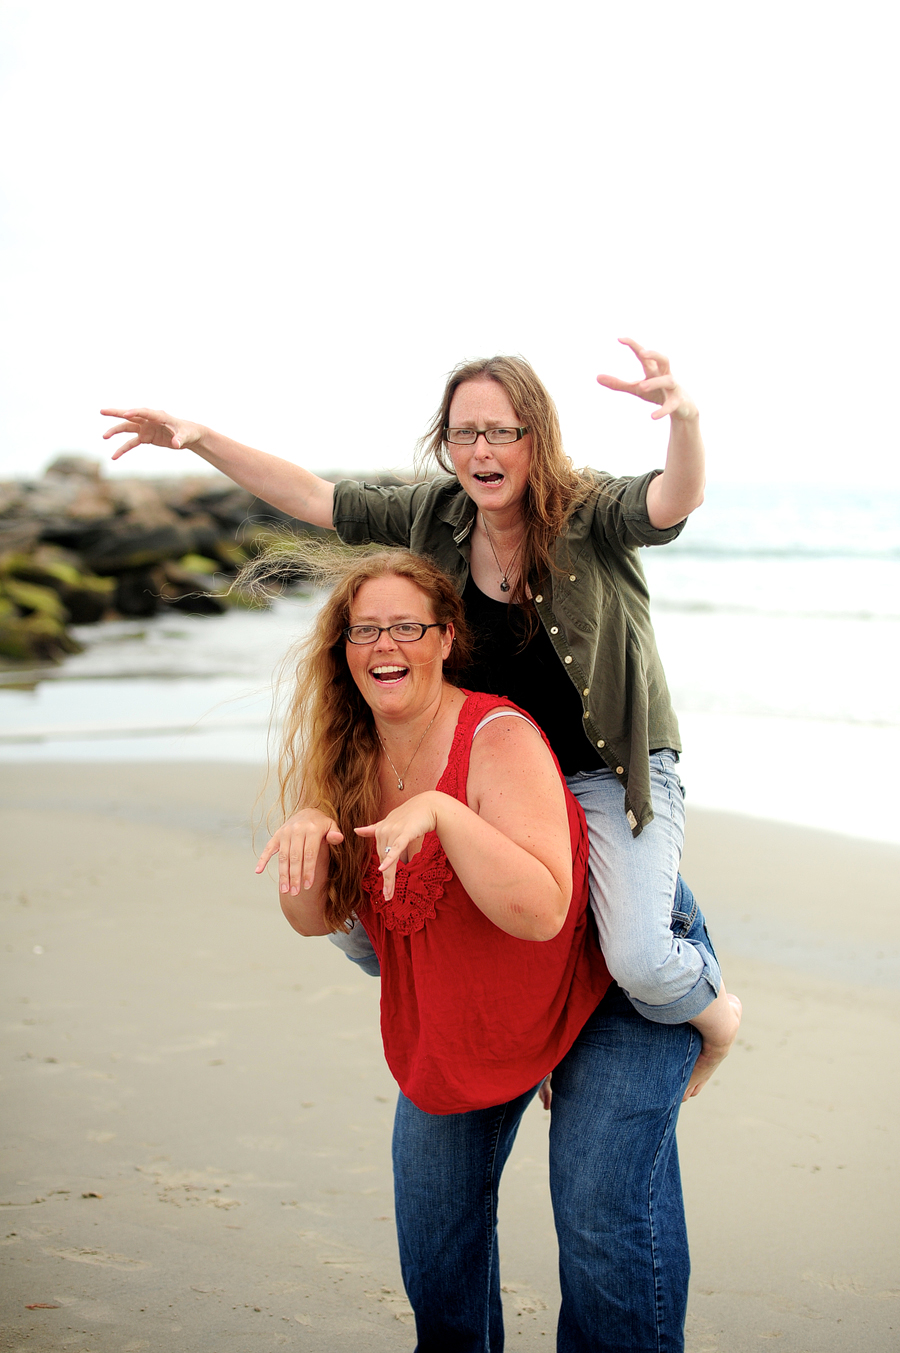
{"type": "Point", "coordinates": [504, 586]}
{"type": "Point", "coordinates": [399, 783]}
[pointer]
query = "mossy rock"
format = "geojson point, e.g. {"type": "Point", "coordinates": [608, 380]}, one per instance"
{"type": "Point", "coordinates": [85, 596]}
{"type": "Point", "coordinates": [32, 597]}
{"type": "Point", "coordinates": [35, 638]}
{"type": "Point", "coordinates": [198, 563]}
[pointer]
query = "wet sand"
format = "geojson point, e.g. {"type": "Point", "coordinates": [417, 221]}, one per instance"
{"type": "Point", "coordinates": [196, 1111]}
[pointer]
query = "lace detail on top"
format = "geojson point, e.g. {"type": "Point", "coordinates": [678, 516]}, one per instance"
{"type": "Point", "coordinates": [420, 883]}
{"type": "Point", "coordinates": [419, 886]}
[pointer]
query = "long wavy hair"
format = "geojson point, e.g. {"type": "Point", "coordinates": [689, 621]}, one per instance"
{"type": "Point", "coordinates": [328, 749]}
{"type": "Point", "coordinates": [554, 489]}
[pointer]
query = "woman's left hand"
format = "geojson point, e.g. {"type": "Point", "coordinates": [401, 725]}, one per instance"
{"type": "Point", "coordinates": [393, 834]}
{"type": "Point", "coordinates": [658, 386]}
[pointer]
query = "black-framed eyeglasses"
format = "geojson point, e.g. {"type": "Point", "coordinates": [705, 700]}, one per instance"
{"type": "Point", "coordinates": [406, 632]}
{"type": "Point", "coordinates": [493, 436]}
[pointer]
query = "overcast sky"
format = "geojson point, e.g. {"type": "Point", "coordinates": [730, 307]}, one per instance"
{"type": "Point", "coordinates": [289, 220]}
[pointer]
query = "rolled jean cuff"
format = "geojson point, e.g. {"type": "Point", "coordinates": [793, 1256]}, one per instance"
{"type": "Point", "coordinates": [357, 946]}
{"type": "Point", "coordinates": [693, 1002]}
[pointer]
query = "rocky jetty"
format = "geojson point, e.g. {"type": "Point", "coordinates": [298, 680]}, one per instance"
{"type": "Point", "coordinates": [76, 548]}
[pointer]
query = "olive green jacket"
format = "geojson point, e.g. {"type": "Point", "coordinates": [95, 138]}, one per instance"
{"type": "Point", "coordinates": [594, 606]}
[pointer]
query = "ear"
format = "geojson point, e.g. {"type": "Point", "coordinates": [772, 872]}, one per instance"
{"type": "Point", "coordinates": [447, 641]}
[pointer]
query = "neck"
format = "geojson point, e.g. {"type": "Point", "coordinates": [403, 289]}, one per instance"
{"type": "Point", "coordinates": [406, 730]}
{"type": "Point", "coordinates": [507, 525]}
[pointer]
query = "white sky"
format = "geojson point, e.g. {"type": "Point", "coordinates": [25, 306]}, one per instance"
{"type": "Point", "coordinates": [289, 220]}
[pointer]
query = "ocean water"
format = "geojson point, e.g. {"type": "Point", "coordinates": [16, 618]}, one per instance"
{"type": "Point", "coordinates": [778, 618]}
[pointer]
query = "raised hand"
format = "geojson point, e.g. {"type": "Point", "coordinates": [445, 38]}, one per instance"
{"type": "Point", "coordinates": [658, 385]}
{"type": "Point", "coordinates": [151, 427]}
{"type": "Point", "coordinates": [298, 843]}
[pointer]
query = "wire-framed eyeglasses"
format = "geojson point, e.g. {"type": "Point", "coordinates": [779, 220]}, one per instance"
{"type": "Point", "coordinates": [493, 436]}
{"type": "Point", "coordinates": [405, 632]}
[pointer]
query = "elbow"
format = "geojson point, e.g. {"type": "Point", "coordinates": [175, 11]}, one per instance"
{"type": "Point", "coordinates": [301, 921]}
{"type": "Point", "coordinates": [549, 921]}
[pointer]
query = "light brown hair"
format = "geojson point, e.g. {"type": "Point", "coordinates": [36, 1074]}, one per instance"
{"type": "Point", "coordinates": [554, 486]}
{"type": "Point", "coordinates": [328, 746]}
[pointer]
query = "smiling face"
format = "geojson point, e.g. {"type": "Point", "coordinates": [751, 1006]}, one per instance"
{"type": "Point", "coordinates": [397, 681]}
{"type": "Point", "coordinates": [495, 477]}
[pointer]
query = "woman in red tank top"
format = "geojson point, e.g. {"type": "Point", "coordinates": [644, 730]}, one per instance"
{"type": "Point", "coordinates": [439, 821]}
{"type": "Point", "coordinates": [471, 875]}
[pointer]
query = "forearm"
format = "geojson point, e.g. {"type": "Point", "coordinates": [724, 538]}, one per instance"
{"type": "Point", "coordinates": [304, 911]}
{"type": "Point", "coordinates": [285, 485]}
{"type": "Point", "coordinates": [675, 493]}
{"type": "Point", "coordinates": [516, 890]}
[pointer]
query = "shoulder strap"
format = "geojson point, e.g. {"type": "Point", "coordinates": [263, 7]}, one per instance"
{"type": "Point", "coordinates": [499, 714]}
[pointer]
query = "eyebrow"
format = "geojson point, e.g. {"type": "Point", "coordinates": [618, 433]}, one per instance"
{"type": "Point", "coordinates": [395, 620]}
{"type": "Point", "coordinates": [488, 423]}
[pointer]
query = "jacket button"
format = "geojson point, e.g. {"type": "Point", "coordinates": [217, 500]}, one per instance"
{"type": "Point", "coordinates": [620, 770]}
{"type": "Point", "coordinates": [567, 658]}
{"type": "Point", "coordinates": [586, 691]}
{"type": "Point", "coordinates": [600, 742]}
{"type": "Point", "coordinates": [554, 629]}
{"type": "Point", "coordinates": [571, 577]}
{"type": "Point", "coordinates": [539, 598]}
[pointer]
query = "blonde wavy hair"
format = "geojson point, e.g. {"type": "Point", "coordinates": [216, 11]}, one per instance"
{"type": "Point", "coordinates": [328, 750]}
{"type": "Point", "coordinates": [554, 488]}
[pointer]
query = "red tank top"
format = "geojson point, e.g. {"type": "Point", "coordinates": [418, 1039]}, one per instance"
{"type": "Point", "coordinates": [471, 1016]}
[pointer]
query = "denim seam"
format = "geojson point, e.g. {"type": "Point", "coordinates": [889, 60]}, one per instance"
{"type": "Point", "coordinates": [491, 1216]}
{"type": "Point", "coordinates": [654, 1245]}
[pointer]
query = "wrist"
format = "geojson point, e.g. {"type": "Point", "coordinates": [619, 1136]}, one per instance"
{"type": "Point", "coordinates": [199, 438]}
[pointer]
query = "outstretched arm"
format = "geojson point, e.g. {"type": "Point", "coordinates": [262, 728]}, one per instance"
{"type": "Point", "coordinates": [280, 482]}
{"type": "Point", "coordinates": [675, 493]}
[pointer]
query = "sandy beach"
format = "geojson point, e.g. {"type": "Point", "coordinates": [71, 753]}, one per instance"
{"type": "Point", "coordinates": [196, 1110]}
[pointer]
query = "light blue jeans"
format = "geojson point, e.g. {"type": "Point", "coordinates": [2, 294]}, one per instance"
{"type": "Point", "coordinates": [668, 976]}
{"type": "Point", "coordinates": [615, 1186]}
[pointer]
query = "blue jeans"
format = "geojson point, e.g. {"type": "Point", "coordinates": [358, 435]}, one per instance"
{"type": "Point", "coordinates": [615, 1186]}
{"type": "Point", "coordinates": [668, 977]}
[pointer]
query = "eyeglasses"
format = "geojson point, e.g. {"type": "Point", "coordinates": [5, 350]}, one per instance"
{"type": "Point", "coordinates": [493, 436]}
{"type": "Point", "coordinates": [406, 632]}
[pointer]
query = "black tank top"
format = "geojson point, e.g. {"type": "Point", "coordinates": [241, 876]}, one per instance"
{"type": "Point", "coordinates": [532, 676]}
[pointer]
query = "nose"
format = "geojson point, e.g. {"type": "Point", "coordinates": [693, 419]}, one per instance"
{"type": "Point", "coordinates": [385, 641]}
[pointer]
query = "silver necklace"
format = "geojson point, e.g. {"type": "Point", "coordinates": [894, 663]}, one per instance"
{"type": "Point", "coordinates": [504, 572]}
{"type": "Point", "coordinates": [413, 757]}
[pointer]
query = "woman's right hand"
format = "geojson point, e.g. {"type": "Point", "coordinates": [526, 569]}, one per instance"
{"type": "Point", "coordinates": [151, 427]}
{"type": "Point", "coordinates": [297, 844]}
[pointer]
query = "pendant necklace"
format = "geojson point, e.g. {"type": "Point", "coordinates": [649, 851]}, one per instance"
{"type": "Point", "coordinates": [504, 572]}
{"type": "Point", "coordinates": [400, 777]}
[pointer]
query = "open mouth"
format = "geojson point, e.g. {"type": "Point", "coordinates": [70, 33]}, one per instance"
{"type": "Point", "coordinates": [489, 477]}
{"type": "Point", "coordinates": [388, 673]}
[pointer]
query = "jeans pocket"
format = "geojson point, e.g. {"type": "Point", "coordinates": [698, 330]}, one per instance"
{"type": "Point", "coordinates": [690, 925]}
